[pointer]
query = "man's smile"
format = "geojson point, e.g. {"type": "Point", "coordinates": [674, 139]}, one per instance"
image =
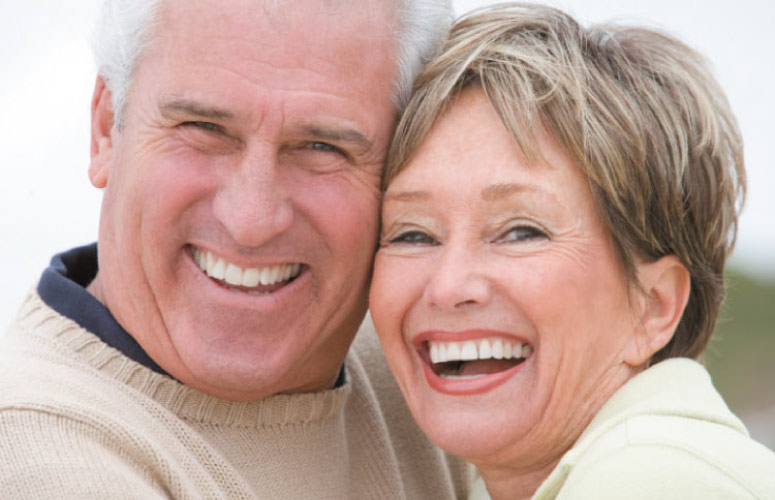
{"type": "Point", "coordinates": [258, 280]}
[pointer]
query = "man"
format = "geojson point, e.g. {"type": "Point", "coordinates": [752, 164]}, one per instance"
{"type": "Point", "coordinates": [239, 144]}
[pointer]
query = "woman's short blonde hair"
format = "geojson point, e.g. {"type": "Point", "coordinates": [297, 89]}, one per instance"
{"type": "Point", "coordinates": [638, 112]}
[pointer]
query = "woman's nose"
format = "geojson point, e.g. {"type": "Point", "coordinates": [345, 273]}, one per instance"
{"type": "Point", "coordinates": [458, 281]}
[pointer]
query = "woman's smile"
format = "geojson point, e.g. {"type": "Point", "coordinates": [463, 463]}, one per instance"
{"type": "Point", "coordinates": [497, 285]}
{"type": "Point", "coordinates": [471, 361]}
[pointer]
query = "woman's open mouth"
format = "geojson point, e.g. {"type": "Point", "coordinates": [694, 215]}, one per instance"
{"type": "Point", "coordinates": [475, 358]}
{"type": "Point", "coordinates": [474, 365]}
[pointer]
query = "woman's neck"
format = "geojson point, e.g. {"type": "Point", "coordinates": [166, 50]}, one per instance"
{"type": "Point", "coordinates": [510, 483]}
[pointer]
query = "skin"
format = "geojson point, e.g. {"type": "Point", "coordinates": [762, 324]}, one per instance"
{"type": "Point", "coordinates": [475, 238]}
{"type": "Point", "coordinates": [256, 133]}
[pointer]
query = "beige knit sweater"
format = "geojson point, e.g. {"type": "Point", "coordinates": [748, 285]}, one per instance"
{"type": "Point", "coordinates": [80, 420]}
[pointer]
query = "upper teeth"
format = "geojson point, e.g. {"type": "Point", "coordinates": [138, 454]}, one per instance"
{"type": "Point", "coordinates": [488, 348]}
{"type": "Point", "coordinates": [216, 267]}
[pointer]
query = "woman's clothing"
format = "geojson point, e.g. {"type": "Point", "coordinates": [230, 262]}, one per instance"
{"type": "Point", "coordinates": [666, 434]}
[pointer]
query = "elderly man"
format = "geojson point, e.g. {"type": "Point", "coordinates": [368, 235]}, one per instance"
{"type": "Point", "coordinates": [239, 144]}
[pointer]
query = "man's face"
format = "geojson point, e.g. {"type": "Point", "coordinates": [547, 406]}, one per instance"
{"type": "Point", "coordinates": [241, 205]}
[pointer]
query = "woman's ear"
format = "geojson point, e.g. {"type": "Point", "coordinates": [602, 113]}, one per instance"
{"type": "Point", "coordinates": [664, 292]}
{"type": "Point", "coordinates": [101, 134]}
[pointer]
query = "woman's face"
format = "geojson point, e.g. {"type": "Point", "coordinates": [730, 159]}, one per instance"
{"type": "Point", "coordinates": [497, 294]}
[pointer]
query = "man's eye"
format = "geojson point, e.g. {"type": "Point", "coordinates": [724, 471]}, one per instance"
{"type": "Point", "coordinates": [521, 233]}
{"type": "Point", "coordinates": [413, 238]}
{"type": "Point", "coordinates": [212, 127]}
{"type": "Point", "coordinates": [325, 147]}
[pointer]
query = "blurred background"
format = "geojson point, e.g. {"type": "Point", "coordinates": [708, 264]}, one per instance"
{"type": "Point", "coordinates": [48, 204]}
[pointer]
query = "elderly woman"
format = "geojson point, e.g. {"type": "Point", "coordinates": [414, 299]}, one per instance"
{"type": "Point", "coordinates": [559, 206]}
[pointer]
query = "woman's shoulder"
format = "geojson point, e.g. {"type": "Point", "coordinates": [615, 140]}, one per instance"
{"type": "Point", "coordinates": [666, 434]}
{"type": "Point", "coordinates": [663, 457]}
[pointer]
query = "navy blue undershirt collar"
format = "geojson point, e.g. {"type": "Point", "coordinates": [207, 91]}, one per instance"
{"type": "Point", "coordinates": [63, 288]}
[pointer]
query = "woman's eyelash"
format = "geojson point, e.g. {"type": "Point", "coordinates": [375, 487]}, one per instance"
{"type": "Point", "coordinates": [522, 233]}
{"type": "Point", "coordinates": [413, 238]}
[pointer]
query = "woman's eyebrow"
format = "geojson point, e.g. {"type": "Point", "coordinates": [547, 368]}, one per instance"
{"type": "Point", "coordinates": [407, 196]}
{"type": "Point", "coordinates": [496, 192]}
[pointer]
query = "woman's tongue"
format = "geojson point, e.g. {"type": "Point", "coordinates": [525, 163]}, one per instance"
{"type": "Point", "coordinates": [485, 366]}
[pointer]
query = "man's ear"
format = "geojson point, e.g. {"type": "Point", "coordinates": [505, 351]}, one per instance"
{"type": "Point", "coordinates": [665, 285]}
{"type": "Point", "coordinates": [101, 134]}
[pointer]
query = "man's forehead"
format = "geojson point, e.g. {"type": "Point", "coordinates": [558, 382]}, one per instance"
{"type": "Point", "coordinates": [280, 11]}
{"type": "Point", "coordinates": [284, 28]}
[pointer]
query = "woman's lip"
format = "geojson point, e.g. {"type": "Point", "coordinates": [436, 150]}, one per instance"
{"type": "Point", "coordinates": [460, 387]}
{"type": "Point", "coordinates": [472, 386]}
{"type": "Point", "coordinates": [422, 338]}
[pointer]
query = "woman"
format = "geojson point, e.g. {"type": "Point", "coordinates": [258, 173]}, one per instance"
{"type": "Point", "coordinates": [559, 206]}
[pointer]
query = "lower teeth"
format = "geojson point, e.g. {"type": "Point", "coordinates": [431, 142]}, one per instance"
{"type": "Point", "coordinates": [463, 377]}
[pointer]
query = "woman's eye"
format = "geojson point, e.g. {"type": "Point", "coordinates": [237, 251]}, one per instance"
{"type": "Point", "coordinates": [413, 238]}
{"type": "Point", "coordinates": [522, 233]}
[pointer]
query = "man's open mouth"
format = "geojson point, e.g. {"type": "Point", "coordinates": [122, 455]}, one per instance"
{"type": "Point", "coordinates": [255, 280]}
{"type": "Point", "coordinates": [473, 359]}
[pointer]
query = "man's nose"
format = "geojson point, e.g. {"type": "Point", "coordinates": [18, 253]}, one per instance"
{"type": "Point", "coordinates": [253, 203]}
{"type": "Point", "coordinates": [459, 280]}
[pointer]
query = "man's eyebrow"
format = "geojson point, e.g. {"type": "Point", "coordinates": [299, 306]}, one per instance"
{"type": "Point", "coordinates": [346, 135]}
{"type": "Point", "coordinates": [407, 196]}
{"type": "Point", "coordinates": [193, 108]}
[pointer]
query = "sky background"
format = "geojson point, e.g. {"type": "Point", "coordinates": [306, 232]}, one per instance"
{"type": "Point", "coordinates": [48, 204]}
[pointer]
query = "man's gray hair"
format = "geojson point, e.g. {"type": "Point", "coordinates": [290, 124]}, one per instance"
{"type": "Point", "coordinates": [125, 28]}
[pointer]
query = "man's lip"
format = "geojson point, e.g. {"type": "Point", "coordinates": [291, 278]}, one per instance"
{"type": "Point", "coordinates": [240, 260]}
{"type": "Point", "coordinates": [244, 296]}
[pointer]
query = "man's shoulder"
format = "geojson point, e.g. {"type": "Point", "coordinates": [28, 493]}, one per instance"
{"type": "Point", "coordinates": [72, 428]}
{"type": "Point", "coordinates": [367, 348]}
{"type": "Point", "coordinates": [367, 365]}
{"type": "Point", "coordinates": [426, 471]}
{"type": "Point", "coordinates": [56, 373]}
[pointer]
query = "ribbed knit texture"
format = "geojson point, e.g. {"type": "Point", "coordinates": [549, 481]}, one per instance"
{"type": "Point", "coordinates": [80, 420]}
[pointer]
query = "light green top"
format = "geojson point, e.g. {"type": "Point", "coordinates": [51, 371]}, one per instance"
{"type": "Point", "coordinates": [666, 434]}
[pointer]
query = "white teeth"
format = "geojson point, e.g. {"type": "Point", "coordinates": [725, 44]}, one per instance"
{"type": "Point", "coordinates": [233, 275]}
{"type": "Point", "coordinates": [464, 377]}
{"type": "Point", "coordinates": [434, 353]}
{"type": "Point", "coordinates": [218, 271]}
{"type": "Point", "coordinates": [488, 348]}
{"type": "Point", "coordinates": [485, 351]}
{"type": "Point", "coordinates": [453, 352]}
{"type": "Point", "coordinates": [497, 349]}
{"type": "Point", "coordinates": [251, 277]}
{"type": "Point", "coordinates": [469, 351]}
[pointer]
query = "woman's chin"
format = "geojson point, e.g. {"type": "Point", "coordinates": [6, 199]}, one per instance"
{"type": "Point", "coordinates": [475, 417]}
{"type": "Point", "coordinates": [476, 436]}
